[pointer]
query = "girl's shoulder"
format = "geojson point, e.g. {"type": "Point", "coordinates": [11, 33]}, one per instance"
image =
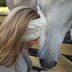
{"type": "Point", "coordinates": [5, 69]}
{"type": "Point", "coordinates": [10, 69]}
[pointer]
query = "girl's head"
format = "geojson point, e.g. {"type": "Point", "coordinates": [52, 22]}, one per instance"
{"type": "Point", "coordinates": [12, 33]}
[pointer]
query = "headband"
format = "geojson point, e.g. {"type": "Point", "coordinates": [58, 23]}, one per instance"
{"type": "Point", "coordinates": [35, 28]}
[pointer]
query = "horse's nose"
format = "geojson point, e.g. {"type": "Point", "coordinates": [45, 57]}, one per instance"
{"type": "Point", "coordinates": [47, 65]}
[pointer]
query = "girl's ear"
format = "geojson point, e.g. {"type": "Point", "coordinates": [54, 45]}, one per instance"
{"type": "Point", "coordinates": [36, 41]}
{"type": "Point", "coordinates": [33, 42]}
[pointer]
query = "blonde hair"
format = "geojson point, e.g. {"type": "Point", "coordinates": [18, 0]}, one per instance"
{"type": "Point", "coordinates": [11, 32]}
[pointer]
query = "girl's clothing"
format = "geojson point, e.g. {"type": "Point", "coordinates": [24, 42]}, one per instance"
{"type": "Point", "coordinates": [24, 65]}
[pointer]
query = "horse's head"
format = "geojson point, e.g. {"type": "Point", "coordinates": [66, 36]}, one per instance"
{"type": "Point", "coordinates": [58, 15]}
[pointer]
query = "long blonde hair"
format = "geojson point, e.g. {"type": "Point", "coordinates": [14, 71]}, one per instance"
{"type": "Point", "coordinates": [11, 32]}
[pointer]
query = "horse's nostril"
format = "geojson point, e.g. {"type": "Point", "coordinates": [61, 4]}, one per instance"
{"type": "Point", "coordinates": [41, 60]}
{"type": "Point", "coordinates": [43, 63]}
{"type": "Point", "coordinates": [54, 63]}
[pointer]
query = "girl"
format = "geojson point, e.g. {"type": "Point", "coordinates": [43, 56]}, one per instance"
{"type": "Point", "coordinates": [19, 31]}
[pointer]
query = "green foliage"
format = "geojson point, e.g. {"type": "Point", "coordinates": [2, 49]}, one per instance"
{"type": "Point", "coordinates": [2, 3]}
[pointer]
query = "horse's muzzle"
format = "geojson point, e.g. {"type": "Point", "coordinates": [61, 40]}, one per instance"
{"type": "Point", "coordinates": [44, 64]}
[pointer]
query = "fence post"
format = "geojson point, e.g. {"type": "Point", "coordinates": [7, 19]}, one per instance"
{"type": "Point", "coordinates": [71, 33]}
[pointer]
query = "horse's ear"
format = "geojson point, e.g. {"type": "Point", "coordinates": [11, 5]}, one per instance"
{"type": "Point", "coordinates": [15, 3]}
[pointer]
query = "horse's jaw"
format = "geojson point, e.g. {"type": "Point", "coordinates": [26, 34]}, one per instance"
{"type": "Point", "coordinates": [50, 48]}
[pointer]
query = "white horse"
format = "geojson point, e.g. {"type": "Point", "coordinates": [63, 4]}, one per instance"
{"type": "Point", "coordinates": [58, 14]}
